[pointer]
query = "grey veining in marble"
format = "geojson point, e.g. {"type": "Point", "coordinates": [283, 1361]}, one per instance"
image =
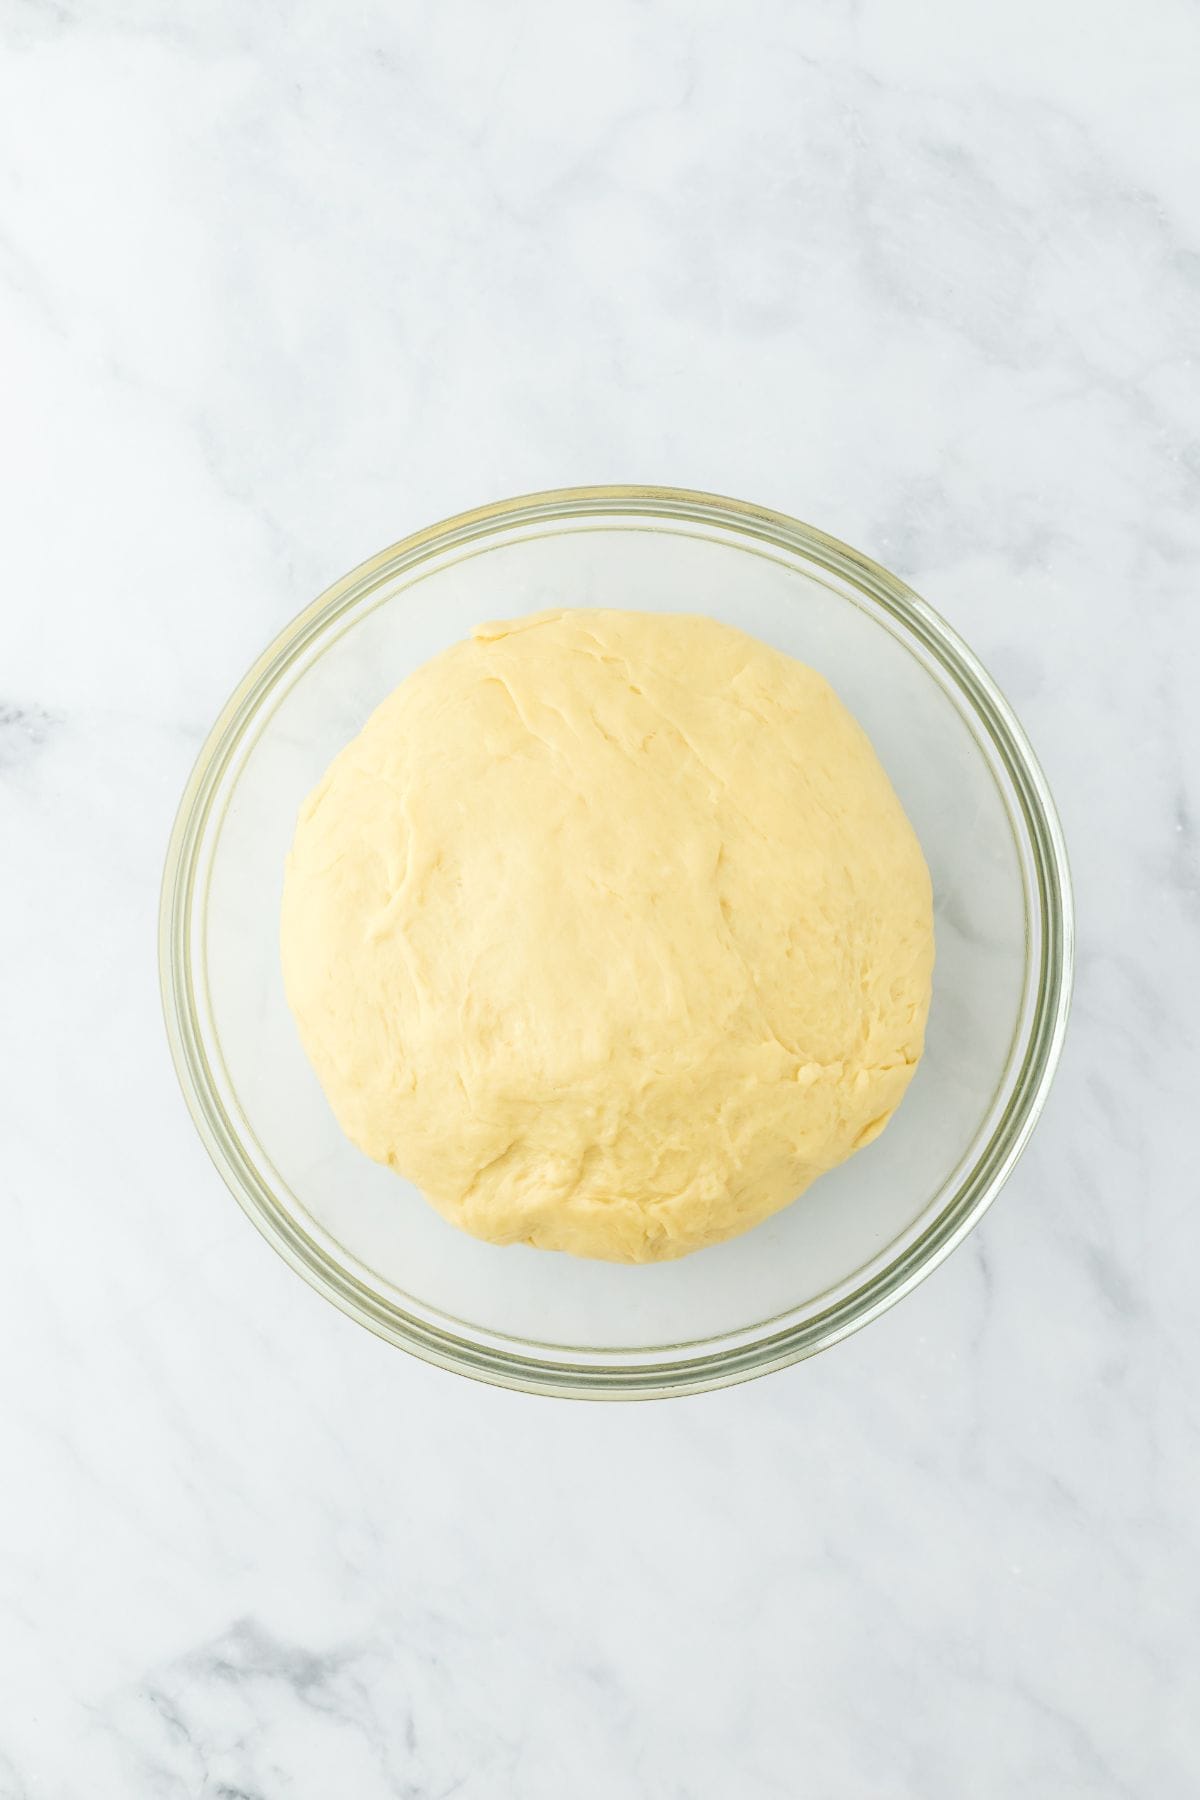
{"type": "Point", "coordinates": [280, 285]}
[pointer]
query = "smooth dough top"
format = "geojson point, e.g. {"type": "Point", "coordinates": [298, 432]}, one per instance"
{"type": "Point", "coordinates": [609, 932]}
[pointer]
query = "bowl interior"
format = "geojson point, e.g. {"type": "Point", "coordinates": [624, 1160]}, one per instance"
{"type": "Point", "coordinates": [360, 1218]}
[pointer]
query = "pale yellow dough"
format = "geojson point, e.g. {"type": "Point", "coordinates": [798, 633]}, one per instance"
{"type": "Point", "coordinates": [610, 933]}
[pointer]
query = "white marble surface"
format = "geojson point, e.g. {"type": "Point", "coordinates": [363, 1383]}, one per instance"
{"type": "Point", "coordinates": [278, 285]}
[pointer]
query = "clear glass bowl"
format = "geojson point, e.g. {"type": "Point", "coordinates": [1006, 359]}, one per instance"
{"type": "Point", "coordinates": [862, 1236]}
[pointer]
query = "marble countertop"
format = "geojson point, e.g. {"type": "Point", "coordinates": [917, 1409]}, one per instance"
{"type": "Point", "coordinates": [281, 285]}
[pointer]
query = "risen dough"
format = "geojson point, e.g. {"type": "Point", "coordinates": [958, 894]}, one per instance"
{"type": "Point", "coordinates": [609, 932]}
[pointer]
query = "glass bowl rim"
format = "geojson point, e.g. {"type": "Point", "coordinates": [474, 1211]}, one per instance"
{"type": "Point", "coordinates": [749, 1354]}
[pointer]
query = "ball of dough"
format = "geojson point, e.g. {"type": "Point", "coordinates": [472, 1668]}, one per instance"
{"type": "Point", "coordinates": [610, 933]}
